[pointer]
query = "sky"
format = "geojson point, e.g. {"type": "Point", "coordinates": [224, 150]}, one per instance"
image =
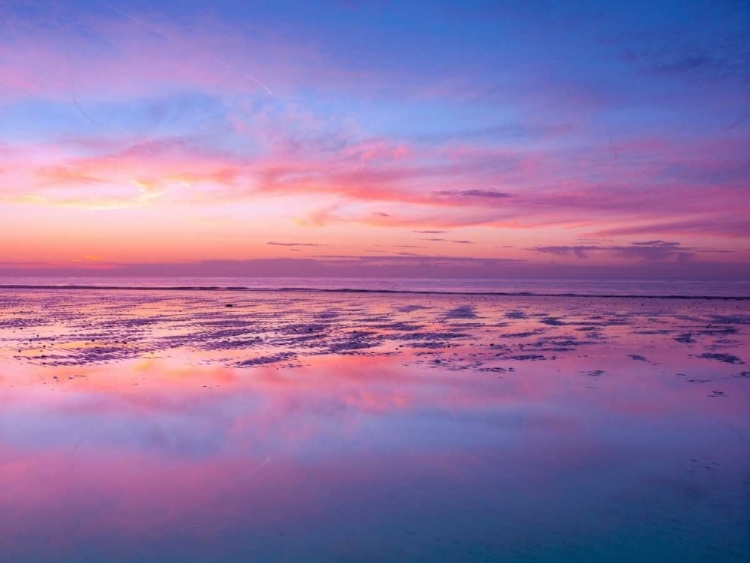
{"type": "Point", "coordinates": [353, 137]}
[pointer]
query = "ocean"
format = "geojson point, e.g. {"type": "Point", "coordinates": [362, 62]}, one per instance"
{"type": "Point", "coordinates": [637, 288]}
{"type": "Point", "coordinates": [368, 420]}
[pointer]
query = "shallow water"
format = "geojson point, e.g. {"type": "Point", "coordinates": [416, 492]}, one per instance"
{"type": "Point", "coordinates": [739, 288]}
{"type": "Point", "coordinates": [203, 426]}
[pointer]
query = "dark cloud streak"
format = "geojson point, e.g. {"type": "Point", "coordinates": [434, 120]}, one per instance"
{"type": "Point", "coordinates": [652, 250]}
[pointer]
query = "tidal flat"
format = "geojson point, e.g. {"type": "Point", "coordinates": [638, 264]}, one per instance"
{"type": "Point", "coordinates": [167, 425]}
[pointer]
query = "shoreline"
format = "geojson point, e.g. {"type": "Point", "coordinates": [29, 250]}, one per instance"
{"type": "Point", "coordinates": [74, 287]}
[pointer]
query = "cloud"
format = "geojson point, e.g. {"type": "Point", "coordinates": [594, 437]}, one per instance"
{"type": "Point", "coordinates": [579, 251]}
{"type": "Point", "coordinates": [654, 250]}
{"type": "Point", "coordinates": [193, 171]}
{"type": "Point", "coordinates": [295, 244]}
{"type": "Point", "coordinates": [657, 243]}
{"type": "Point", "coordinates": [111, 53]}
{"type": "Point", "coordinates": [513, 130]}
{"type": "Point", "coordinates": [710, 225]}
{"type": "Point", "coordinates": [484, 194]}
{"type": "Point", "coordinates": [723, 58]}
{"type": "Point", "coordinates": [448, 240]}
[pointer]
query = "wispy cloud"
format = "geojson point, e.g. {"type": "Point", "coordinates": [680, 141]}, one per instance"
{"type": "Point", "coordinates": [654, 250]}
{"type": "Point", "coordinates": [295, 244]}
{"type": "Point", "coordinates": [481, 194]}
{"type": "Point", "coordinates": [448, 240]}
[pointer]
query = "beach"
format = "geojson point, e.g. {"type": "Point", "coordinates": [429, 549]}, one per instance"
{"type": "Point", "coordinates": [175, 425]}
{"type": "Point", "coordinates": [358, 281]}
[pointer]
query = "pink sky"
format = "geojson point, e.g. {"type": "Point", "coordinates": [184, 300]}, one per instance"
{"type": "Point", "coordinates": [138, 136]}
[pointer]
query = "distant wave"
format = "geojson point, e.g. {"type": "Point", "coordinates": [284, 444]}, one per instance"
{"type": "Point", "coordinates": [216, 288]}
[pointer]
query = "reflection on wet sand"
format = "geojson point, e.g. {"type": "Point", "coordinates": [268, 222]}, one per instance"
{"type": "Point", "coordinates": [160, 426]}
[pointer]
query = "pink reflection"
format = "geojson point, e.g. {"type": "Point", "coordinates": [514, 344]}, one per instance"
{"type": "Point", "coordinates": [510, 416]}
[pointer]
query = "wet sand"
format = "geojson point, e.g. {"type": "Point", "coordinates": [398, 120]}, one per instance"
{"type": "Point", "coordinates": [325, 426]}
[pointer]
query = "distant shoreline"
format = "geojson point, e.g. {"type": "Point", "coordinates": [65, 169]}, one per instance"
{"type": "Point", "coordinates": [362, 290]}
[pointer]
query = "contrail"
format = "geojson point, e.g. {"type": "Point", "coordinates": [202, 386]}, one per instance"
{"type": "Point", "coordinates": [71, 87]}
{"type": "Point", "coordinates": [73, 96]}
{"type": "Point", "coordinates": [258, 82]}
{"type": "Point", "coordinates": [136, 20]}
{"type": "Point", "coordinates": [146, 26]}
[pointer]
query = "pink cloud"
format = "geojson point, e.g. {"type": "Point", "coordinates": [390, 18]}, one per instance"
{"type": "Point", "coordinates": [418, 188]}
